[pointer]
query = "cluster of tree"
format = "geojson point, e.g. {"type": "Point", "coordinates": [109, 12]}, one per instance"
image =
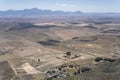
{"type": "Point", "coordinates": [82, 70]}
{"type": "Point", "coordinates": [98, 59]}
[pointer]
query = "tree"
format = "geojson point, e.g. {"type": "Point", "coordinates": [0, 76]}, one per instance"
{"type": "Point", "coordinates": [68, 53]}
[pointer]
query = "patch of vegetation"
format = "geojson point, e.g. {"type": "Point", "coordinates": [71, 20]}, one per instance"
{"type": "Point", "coordinates": [91, 27]}
{"type": "Point", "coordinates": [89, 71]}
{"type": "Point", "coordinates": [89, 39]}
{"type": "Point", "coordinates": [111, 31]}
{"type": "Point", "coordinates": [103, 22]}
{"type": "Point", "coordinates": [75, 38]}
{"type": "Point", "coordinates": [98, 59]}
{"type": "Point", "coordinates": [74, 22]}
{"type": "Point", "coordinates": [109, 60]}
{"type": "Point", "coordinates": [24, 77]}
{"type": "Point", "coordinates": [49, 42]}
{"type": "Point", "coordinates": [6, 72]}
{"type": "Point", "coordinates": [22, 26]}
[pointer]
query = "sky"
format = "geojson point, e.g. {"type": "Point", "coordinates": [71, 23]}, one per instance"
{"type": "Point", "coordinates": [64, 5]}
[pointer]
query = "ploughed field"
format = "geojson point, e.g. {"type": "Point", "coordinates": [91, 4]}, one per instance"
{"type": "Point", "coordinates": [67, 48]}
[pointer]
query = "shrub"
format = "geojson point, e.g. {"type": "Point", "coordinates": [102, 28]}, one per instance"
{"type": "Point", "coordinates": [109, 59]}
{"type": "Point", "coordinates": [98, 59]}
{"type": "Point", "coordinates": [85, 69]}
{"type": "Point", "coordinates": [71, 66]}
{"type": "Point", "coordinates": [68, 53]}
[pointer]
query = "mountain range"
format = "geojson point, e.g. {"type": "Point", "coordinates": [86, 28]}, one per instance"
{"type": "Point", "coordinates": [35, 12]}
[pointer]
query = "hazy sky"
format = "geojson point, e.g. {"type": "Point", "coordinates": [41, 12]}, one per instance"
{"type": "Point", "coordinates": [66, 5]}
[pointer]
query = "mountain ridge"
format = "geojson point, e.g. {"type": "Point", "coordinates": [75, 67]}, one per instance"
{"type": "Point", "coordinates": [35, 12]}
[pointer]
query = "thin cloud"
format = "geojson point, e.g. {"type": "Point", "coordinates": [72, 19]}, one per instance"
{"type": "Point", "coordinates": [65, 5]}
